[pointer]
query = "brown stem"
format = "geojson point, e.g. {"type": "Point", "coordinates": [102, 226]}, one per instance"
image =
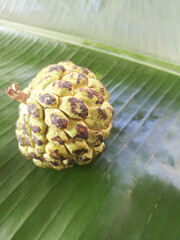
{"type": "Point", "coordinates": [16, 94]}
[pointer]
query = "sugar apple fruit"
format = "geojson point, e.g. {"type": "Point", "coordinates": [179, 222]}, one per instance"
{"type": "Point", "coordinates": [64, 116]}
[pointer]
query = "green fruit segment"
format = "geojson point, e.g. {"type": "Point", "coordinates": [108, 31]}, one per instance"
{"type": "Point", "coordinates": [77, 79]}
{"type": "Point", "coordinates": [89, 96]}
{"type": "Point", "coordinates": [35, 110]}
{"type": "Point", "coordinates": [99, 117]}
{"type": "Point", "coordinates": [77, 129]}
{"type": "Point", "coordinates": [61, 88]}
{"type": "Point", "coordinates": [99, 87]}
{"type": "Point", "coordinates": [74, 107]}
{"type": "Point", "coordinates": [56, 118]}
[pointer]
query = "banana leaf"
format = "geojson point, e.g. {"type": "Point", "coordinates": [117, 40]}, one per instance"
{"type": "Point", "coordinates": [132, 191]}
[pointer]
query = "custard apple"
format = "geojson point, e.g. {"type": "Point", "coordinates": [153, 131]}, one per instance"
{"type": "Point", "coordinates": [64, 116]}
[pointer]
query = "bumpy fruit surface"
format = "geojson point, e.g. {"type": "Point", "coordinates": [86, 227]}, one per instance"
{"type": "Point", "coordinates": [66, 118]}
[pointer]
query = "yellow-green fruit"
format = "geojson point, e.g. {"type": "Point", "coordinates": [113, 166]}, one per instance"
{"type": "Point", "coordinates": [66, 118]}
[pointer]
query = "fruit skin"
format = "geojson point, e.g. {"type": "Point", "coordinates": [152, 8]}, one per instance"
{"type": "Point", "coordinates": [66, 118]}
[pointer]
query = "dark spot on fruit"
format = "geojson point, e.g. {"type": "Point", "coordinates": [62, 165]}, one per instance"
{"type": "Point", "coordinates": [54, 84]}
{"type": "Point", "coordinates": [92, 93]}
{"type": "Point", "coordinates": [74, 101]}
{"type": "Point", "coordinates": [58, 139]}
{"type": "Point", "coordinates": [25, 129]}
{"type": "Point", "coordinates": [58, 122]}
{"type": "Point", "coordinates": [37, 141]}
{"type": "Point", "coordinates": [80, 77]}
{"type": "Point", "coordinates": [56, 151]}
{"type": "Point", "coordinates": [99, 96]}
{"type": "Point", "coordinates": [54, 163]}
{"type": "Point", "coordinates": [85, 70]}
{"type": "Point", "coordinates": [69, 161]}
{"type": "Point", "coordinates": [62, 68]}
{"type": "Point", "coordinates": [82, 132]}
{"type": "Point", "coordinates": [100, 138]}
{"type": "Point", "coordinates": [57, 68]}
{"type": "Point", "coordinates": [47, 99]}
{"type": "Point", "coordinates": [33, 110]}
{"type": "Point", "coordinates": [24, 117]}
{"type": "Point", "coordinates": [33, 155]}
{"type": "Point", "coordinates": [102, 113]}
{"type": "Point", "coordinates": [62, 158]}
{"type": "Point", "coordinates": [35, 129]}
{"type": "Point", "coordinates": [89, 93]}
{"type": "Point", "coordinates": [80, 151]}
{"type": "Point", "coordinates": [100, 101]}
{"type": "Point", "coordinates": [66, 84]}
{"type": "Point", "coordinates": [111, 110]}
{"type": "Point", "coordinates": [27, 141]}
{"type": "Point", "coordinates": [20, 140]}
{"type": "Point", "coordinates": [86, 159]}
{"type": "Point", "coordinates": [54, 157]}
{"type": "Point", "coordinates": [102, 89]}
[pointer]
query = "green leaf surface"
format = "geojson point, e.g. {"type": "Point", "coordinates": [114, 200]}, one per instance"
{"type": "Point", "coordinates": [131, 192]}
{"type": "Point", "coordinates": [148, 27]}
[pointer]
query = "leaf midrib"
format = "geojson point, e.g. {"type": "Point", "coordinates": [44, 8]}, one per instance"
{"type": "Point", "coordinates": [95, 46]}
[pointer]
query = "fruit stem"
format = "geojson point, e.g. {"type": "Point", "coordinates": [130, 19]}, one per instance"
{"type": "Point", "coordinates": [16, 94]}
